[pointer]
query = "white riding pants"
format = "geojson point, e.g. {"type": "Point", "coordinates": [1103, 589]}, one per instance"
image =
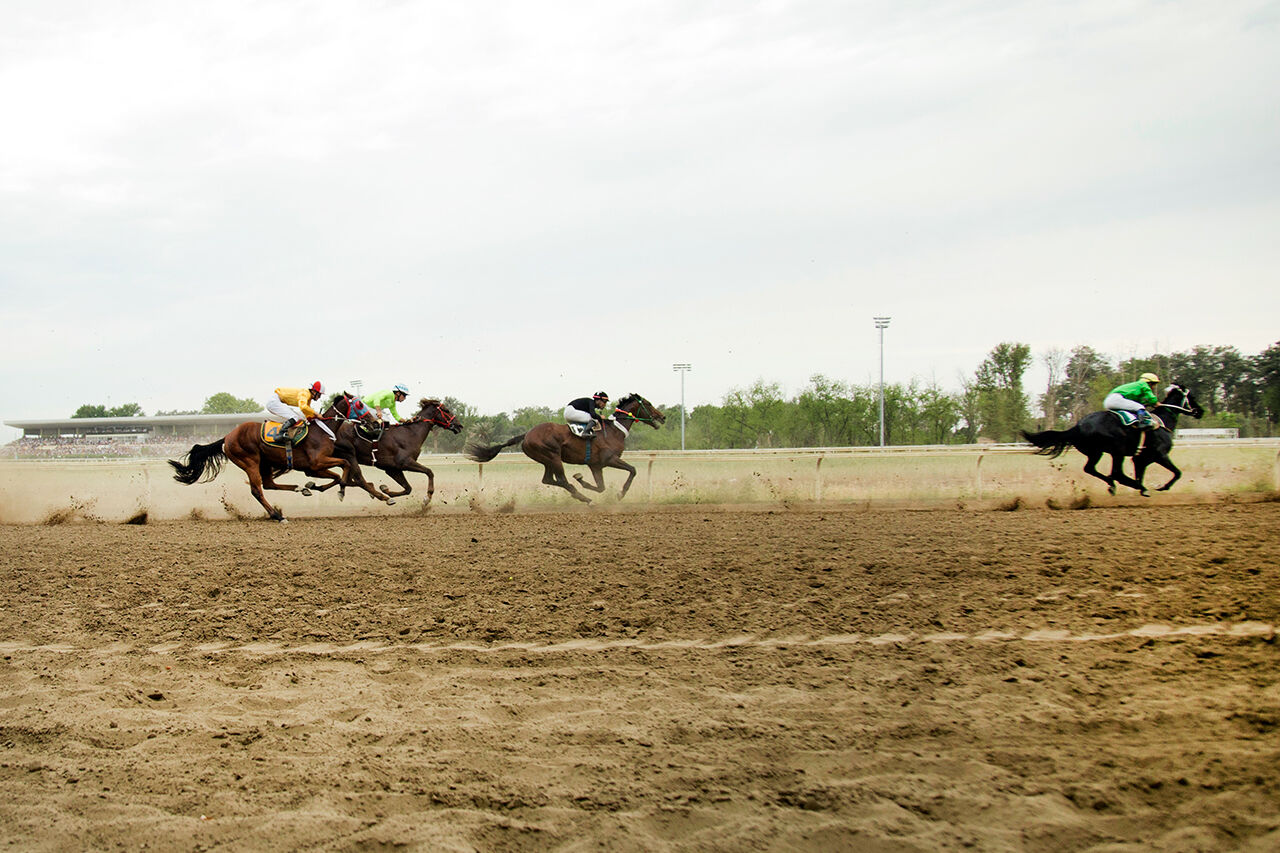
{"type": "Point", "coordinates": [576, 416]}
{"type": "Point", "coordinates": [1116, 401]}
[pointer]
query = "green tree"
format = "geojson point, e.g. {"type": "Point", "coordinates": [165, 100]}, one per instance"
{"type": "Point", "coordinates": [224, 403]}
{"type": "Point", "coordinates": [1002, 403]}
{"type": "Point", "coordinates": [124, 410]}
{"type": "Point", "coordinates": [1081, 389]}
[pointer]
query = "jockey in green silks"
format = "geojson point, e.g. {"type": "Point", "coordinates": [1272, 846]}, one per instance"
{"type": "Point", "coordinates": [1135, 397]}
{"type": "Point", "coordinates": [383, 403]}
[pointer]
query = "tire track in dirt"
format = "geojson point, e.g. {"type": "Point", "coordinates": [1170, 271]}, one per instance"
{"type": "Point", "coordinates": [1151, 631]}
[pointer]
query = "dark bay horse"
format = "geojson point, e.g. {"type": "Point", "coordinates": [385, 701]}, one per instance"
{"type": "Point", "coordinates": [1101, 433]}
{"type": "Point", "coordinates": [314, 455]}
{"type": "Point", "coordinates": [396, 449]}
{"type": "Point", "coordinates": [554, 445]}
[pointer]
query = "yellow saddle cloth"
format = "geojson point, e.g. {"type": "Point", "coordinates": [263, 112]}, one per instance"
{"type": "Point", "coordinates": [272, 434]}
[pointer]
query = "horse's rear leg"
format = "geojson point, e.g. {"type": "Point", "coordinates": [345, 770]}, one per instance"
{"type": "Point", "coordinates": [397, 474]}
{"type": "Point", "coordinates": [1091, 467]}
{"type": "Point", "coordinates": [256, 484]}
{"type": "Point", "coordinates": [1118, 474]}
{"type": "Point", "coordinates": [554, 476]}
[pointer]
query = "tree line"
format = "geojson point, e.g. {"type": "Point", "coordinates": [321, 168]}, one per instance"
{"type": "Point", "coordinates": [1236, 390]}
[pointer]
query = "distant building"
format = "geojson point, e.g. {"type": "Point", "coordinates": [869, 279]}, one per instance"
{"type": "Point", "coordinates": [161, 428]}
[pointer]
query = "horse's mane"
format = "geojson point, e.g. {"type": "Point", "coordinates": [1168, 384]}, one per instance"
{"type": "Point", "coordinates": [427, 401]}
{"type": "Point", "coordinates": [628, 398]}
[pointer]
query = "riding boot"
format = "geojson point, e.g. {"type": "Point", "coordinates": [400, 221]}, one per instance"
{"type": "Point", "coordinates": [284, 430]}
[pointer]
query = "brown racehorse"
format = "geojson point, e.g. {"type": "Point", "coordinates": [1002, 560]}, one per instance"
{"type": "Point", "coordinates": [554, 445]}
{"type": "Point", "coordinates": [314, 455]}
{"type": "Point", "coordinates": [396, 449]}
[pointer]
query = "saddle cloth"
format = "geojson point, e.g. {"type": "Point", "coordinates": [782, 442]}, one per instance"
{"type": "Point", "coordinates": [583, 430]}
{"type": "Point", "coordinates": [271, 433]}
{"type": "Point", "coordinates": [1130, 419]}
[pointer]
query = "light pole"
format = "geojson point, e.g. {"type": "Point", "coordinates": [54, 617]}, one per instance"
{"type": "Point", "coordinates": [683, 369]}
{"type": "Point", "coordinates": [882, 323]}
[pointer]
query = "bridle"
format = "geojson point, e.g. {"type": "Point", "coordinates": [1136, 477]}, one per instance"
{"type": "Point", "coordinates": [448, 423]}
{"type": "Point", "coordinates": [1181, 407]}
{"type": "Point", "coordinates": [648, 408]}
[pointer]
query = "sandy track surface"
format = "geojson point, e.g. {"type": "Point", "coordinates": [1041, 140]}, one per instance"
{"type": "Point", "coordinates": [1104, 679]}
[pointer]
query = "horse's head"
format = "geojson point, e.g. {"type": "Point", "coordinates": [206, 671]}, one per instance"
{"type": "Point", "coordinates": [634, 408]}
{"type": "Point", "coordinates": [349, 407]}
{"type": "Point", "coordinates": [1179, 398]}
{"type": "Point", "coordinates": [437, 413]}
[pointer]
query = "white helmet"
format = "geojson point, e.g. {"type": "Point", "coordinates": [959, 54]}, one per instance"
{"type": "Point", "coordinates": [403, 389]}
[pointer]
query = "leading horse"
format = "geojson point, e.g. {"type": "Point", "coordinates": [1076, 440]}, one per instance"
{"type": "Point", "coordinates": [1102, 433]}
{"type": "Point", "coordinates": [397, 448]}
{"type": "Point", "coordinates": [554, 445]}
{"type": "Point", "coordinates": [314, 455]}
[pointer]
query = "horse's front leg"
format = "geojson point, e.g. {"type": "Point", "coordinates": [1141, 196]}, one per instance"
{"type": "Point", "coordinates": [1164, 461]}
{"type": "Point", "coordinates": [351, 476]}
{"type": "Point", "coordinates": [631, 475]}
{"type": "Point", "coordinates": [597, 474]}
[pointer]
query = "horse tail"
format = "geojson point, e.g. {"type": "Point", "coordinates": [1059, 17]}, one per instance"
{"type": "Point", "coordinates": [476, 453]}
{"type": "Point", "coordinates": [201, 464]}
{"type": "Point", "coordinates": [1051, 442]}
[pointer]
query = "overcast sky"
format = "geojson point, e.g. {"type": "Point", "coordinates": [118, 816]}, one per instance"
{"type": "Point", "coordinates": [519, 203]}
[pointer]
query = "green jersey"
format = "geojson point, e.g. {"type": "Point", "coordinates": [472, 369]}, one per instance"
{"type": "Point", "coordinates": [383, 400]}
{"type": "Point", "coordinates": [1138, 392]}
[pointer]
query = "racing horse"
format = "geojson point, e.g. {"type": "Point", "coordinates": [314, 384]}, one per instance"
{"type": "Point", "coordinates": [554, 445]}
{"type": "Point", "coordinates": [395, 450]}
{"type": "Point", "coordinates": [1102, 433]}
{"type": "Point", "coordinates": [315, 455]}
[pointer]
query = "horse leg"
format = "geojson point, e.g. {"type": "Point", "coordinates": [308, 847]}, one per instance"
{"type": "Point", "coordinates": [622, 466]}
{"type": "Point", "coordinates": [1091, 467]}
{"type": "Point", "coordinates": [257, 482]}
{"type": "Point", "coordinates": [351, 476]}
{"type": "Point", "coordinates": [598, 474]}
{"type": "Point", "coordinates": [413, 465]}
{"type": "Point", "coordinates": [1164, 461]}
{"type": "Point", "coordinates": [1119, 476]}
{"type": "Point", "coordinates": [555, 476]}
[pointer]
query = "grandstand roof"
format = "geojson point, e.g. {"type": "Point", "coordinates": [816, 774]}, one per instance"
{"type": "Point", "coordinates": [140, 424]}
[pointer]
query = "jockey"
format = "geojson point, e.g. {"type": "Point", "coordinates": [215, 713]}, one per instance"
{"type": "Point", "coordinates": [586, 411]}
{"type": "Point", "coordinates": [383, 403]}
{"type": "Point", "coordinates": [1135, 397]}
{"type": "Point", "coordinates": [293, 405]}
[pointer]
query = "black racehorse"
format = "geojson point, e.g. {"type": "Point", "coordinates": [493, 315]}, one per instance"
{"type": "Point", "coordinates": [1102, 433]}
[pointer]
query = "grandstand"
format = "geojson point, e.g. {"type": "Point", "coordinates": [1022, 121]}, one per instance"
{"type": "Point", "coordinates": [115, 437]}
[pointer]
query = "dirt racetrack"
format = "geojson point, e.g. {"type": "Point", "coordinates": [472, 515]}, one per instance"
{"type": "Point", "coordinates": [647, 679]}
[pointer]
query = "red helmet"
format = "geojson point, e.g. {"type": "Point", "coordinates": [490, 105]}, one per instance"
{"type": "Point", "coordinates": [317, 387]}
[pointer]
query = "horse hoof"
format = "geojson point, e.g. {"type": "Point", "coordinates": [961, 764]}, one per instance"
{"type": "Point", "coordinates": [305, 492]}
{"type": "Point", "coordinates": [391, 501]}
{"type": "Point", "coordinates": [282, 520]}
{"type": "Point", "coordinates": [342, 496]}
{"type": "Point", "coordinates": [310, 484]}
{"type": "Point", "coordinates": [1144, 493]}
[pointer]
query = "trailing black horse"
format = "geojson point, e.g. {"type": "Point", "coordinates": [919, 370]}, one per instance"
{"type": "Point", "coordinates": [1102, 433]}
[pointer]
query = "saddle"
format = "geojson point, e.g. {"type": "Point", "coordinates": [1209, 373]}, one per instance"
{"type": "Point", "coordinates": [587, 431]}
{"type": "Point", "coordinates": [1129, 419]}
{"type": "Point", "coordinates": [273, 435]}
{"type": "Point", "coordinates": [370, 433]}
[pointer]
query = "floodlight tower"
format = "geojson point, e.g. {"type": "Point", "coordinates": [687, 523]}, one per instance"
{"type": "Point", "coordinates": [882, 323]}
{"type": "Point", "coordinates": [682, 369]}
